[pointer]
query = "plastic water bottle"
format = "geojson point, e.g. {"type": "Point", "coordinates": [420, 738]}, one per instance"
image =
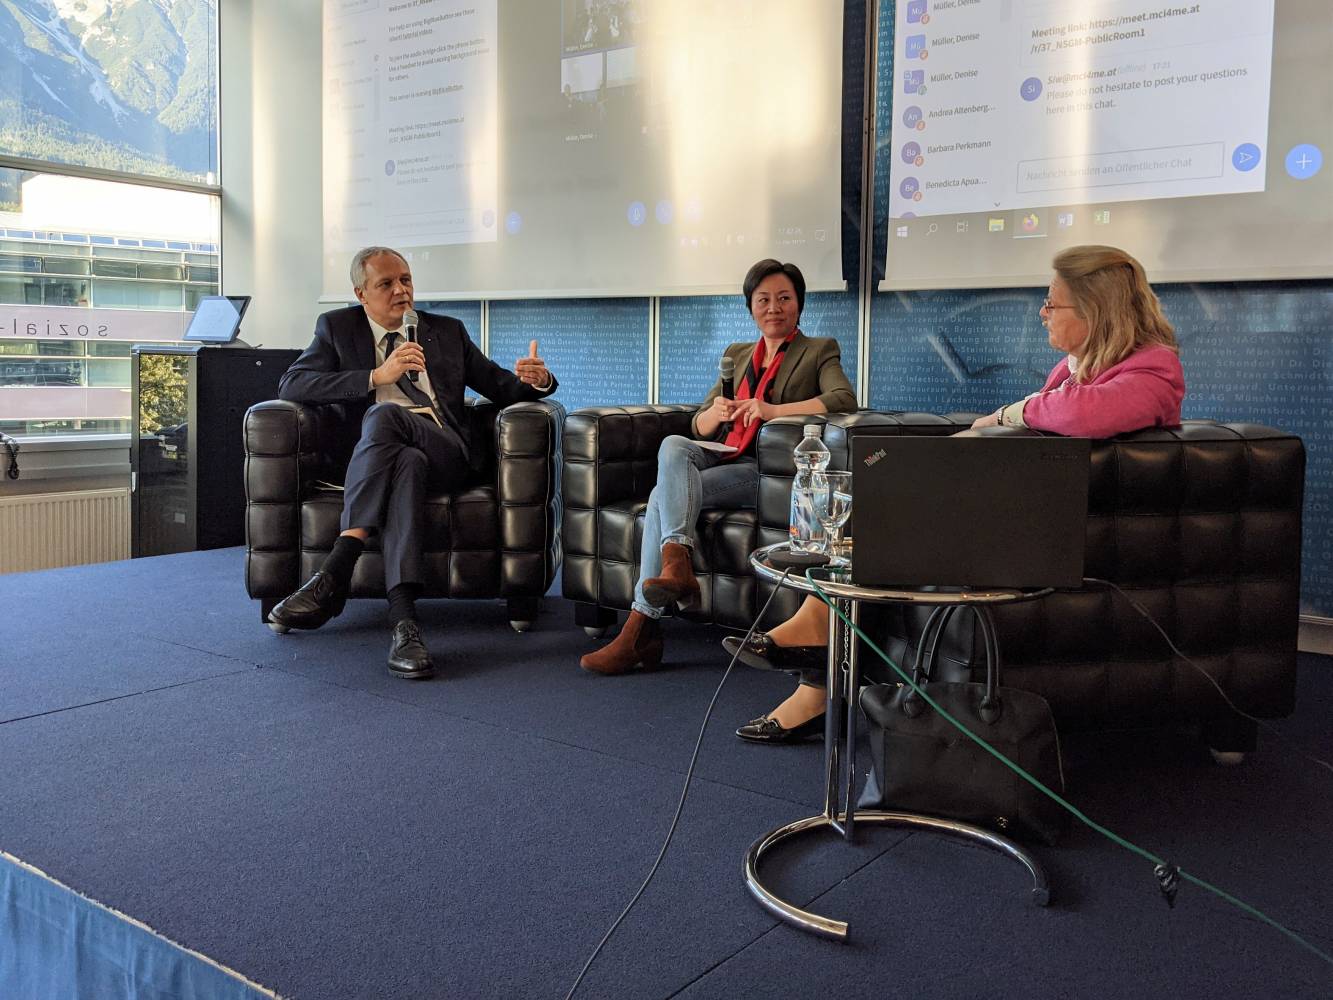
{"type": "Point", "coordinates": [810, 456]}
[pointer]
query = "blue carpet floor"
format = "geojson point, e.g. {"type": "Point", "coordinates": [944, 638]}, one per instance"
{"type": "Point", "coordinates": [282, 806]}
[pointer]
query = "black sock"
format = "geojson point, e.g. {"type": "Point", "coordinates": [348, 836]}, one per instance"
{"type": "Point", "coordinates": [343, 558]}
{"type": "Point", "coordinates": [403, 602]}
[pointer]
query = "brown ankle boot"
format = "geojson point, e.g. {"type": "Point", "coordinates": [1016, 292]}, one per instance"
{"type": "Point", "coordinates": [677, 582]}
{"type": "Point", "coordinates": [640, 641]}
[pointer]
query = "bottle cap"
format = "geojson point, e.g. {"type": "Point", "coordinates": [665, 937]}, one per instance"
{"type": "Point", "coordinates": [812, 430]}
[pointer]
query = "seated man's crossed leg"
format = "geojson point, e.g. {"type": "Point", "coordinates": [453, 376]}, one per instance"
{"type": "Point", "coordinates": [398, 458]}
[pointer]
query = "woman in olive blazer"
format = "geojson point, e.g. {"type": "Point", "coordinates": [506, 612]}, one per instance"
{"type": "Point", "coordinates": [784, 373]}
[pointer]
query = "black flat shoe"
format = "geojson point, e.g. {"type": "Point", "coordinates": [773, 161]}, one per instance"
{"type": "Point", "coordinates": [319, 599]}
{"type": "Point", "coordinates": [408, 655]}
{"type": "Point", "coordinates": [767, 730]}
{"type": "Point", "coordinates": [762, 653]}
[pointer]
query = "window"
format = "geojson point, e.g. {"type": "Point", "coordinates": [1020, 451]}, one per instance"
{"type": "Point", "coordinates": [158, 71]}
{"type": "Point", "coordinates": [91, 265]}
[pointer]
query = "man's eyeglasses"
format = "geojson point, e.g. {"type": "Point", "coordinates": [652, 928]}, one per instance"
{"type": "Point", "coordinates": [1048, 304]}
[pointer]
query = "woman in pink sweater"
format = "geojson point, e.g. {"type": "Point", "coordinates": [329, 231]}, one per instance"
{"type": "Point", "coordinates": [1121, 372]}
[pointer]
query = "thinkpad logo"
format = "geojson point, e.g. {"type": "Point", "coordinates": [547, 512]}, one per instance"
{"type": "Point", "coordinates": [873, 457]}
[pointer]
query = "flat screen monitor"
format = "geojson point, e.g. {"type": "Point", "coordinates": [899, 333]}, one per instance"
{"type": "Point", "coordinates": [217, 319]}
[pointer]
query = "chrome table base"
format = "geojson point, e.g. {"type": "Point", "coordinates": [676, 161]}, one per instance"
{"type": "Point", "coordinates": [840, 813]}
{"type": "Point", "coordinates": [836, 930]}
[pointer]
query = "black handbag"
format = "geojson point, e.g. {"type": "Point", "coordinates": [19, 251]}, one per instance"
{"type": "Point", "coordinates": [921, 763]}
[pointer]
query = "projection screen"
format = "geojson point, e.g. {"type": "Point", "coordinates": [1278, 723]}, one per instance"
{"type": "Point", "coordinates": [518, 148]}
{"type": "Point", "coordinates": [1193, 135]}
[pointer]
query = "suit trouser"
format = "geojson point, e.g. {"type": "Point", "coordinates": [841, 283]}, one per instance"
{"type": "Point", "coordinates": [399, 457]}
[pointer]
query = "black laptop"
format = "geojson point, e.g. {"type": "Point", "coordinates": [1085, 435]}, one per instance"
{"type": "Point", "coordinates": [969, 512]}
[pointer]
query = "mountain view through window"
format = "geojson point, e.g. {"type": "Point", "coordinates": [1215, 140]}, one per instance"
{"type": "Point", "coordinates": [122, 85]}
{"type": "Point", "coordinates": [89, 266]}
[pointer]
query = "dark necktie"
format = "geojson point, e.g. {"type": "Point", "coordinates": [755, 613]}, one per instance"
{"type": "Point", "coordinates": [404, 383]}
{"type": "Point", "coordinates": [410, 390]}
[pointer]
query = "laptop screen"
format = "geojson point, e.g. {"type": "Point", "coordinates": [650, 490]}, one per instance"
{"type": "Point", "coordinates": [217, 319]}
{"type": "Point", "coordinates": [969, 512]}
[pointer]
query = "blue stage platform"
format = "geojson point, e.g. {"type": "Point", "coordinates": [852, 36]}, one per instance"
{"type": "Point", "coordinates": [282, 807]}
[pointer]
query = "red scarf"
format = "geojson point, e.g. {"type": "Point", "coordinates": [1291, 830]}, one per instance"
{"type": "Point", "coordinates": [755, 385]}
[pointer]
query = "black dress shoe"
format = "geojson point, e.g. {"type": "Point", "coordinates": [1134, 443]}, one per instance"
{"type": "Point", "coordinates": [763, 653]}
{"type": "Point", "coordinates": [408, 655]}
{"type": "Point", "coordinates": [768, 730]}
{"type": "Point", "coordinates": [318, 600]}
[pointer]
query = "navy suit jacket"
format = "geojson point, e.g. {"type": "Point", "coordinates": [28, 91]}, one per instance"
{"type": "Point", "coordinates": [336, 368]}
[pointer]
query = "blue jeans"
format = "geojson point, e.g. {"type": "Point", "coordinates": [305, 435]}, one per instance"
{"type": "Point", "coordinates": [689, 478]}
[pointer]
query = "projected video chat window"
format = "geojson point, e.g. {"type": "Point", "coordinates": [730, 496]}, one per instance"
{"type": "Point", "coordinates": [583, 147]}
{"type": "Point", "coordinates": [1193, 133]}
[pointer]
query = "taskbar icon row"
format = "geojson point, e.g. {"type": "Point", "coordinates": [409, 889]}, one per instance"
{"type": "Point", "coordinates": [1027, 223]}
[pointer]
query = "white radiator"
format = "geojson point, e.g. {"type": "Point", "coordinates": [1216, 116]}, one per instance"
{"type": "Point", "coordinates": [63, 529]}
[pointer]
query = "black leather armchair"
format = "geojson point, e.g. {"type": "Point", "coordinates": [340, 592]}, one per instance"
{"type": "Point", "coordinates": [498, 536]}
{"type": "Point", "coordinates": [1201, 525]}
{"type": "Point", "coordinates": [610, 468]}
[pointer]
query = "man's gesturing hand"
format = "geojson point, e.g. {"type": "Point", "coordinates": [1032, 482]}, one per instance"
{"type": "Point", "coordinates": [532, 369]}
{"type": "Point", "coordinates": [406, 357]}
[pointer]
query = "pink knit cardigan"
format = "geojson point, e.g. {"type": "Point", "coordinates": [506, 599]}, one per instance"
{"type": "Point", "coordinates": [1144, 390]}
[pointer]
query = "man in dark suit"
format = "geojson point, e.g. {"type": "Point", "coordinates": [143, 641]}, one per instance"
{"type": "Point", "coordinates": [412, 435]}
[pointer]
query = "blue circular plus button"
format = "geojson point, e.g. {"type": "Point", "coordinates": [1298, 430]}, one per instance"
{"type": "Point", "coordinates": [1245, 157]}
{"type": "Point", "coordinates": [1304, 161]}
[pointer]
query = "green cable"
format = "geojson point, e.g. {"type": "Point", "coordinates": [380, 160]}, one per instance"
{"type": "Point", "coordinates": [1056, 797]}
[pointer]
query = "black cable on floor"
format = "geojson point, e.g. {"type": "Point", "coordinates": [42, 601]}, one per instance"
{"type": "Point", "coordinates": [685, 791]}
{"type": "Point", "coordinates": [1266, 726]}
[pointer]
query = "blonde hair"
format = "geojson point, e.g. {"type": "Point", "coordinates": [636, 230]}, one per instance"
{"type": "Point", "coordinates": [1112, 295]}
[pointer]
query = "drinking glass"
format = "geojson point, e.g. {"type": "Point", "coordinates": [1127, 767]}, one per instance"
{"type": "Point", "coordinates": [833, 513]}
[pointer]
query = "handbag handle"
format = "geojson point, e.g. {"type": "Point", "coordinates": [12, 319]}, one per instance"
{"type": "Point", "coordinates": [923, 666]}
{"type": "Point", "coordinates": [991, 707]}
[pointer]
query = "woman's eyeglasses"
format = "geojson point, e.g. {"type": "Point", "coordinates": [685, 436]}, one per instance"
{"type": "Point", "coordinates": [1048, 304]}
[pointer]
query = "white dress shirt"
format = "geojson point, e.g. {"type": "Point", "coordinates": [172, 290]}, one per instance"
{"type": "Point", "coordinates": [390, 393]}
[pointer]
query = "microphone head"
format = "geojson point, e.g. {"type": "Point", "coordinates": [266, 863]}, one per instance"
{"type": "Point", "coordinates": [410, 317]}
{"type": "Point", "coordinates": [727, 367]}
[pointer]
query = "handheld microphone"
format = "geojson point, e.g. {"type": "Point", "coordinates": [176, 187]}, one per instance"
{"type": "Point", "coordinates": [410, 328]}
{"type": "Point", "coordinates": [727, 369]}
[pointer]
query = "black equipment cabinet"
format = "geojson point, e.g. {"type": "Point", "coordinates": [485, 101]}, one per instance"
{"type": "Point", "coordinates": [187, 459]}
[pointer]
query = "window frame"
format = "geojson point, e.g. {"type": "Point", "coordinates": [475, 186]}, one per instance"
{"type": "Point", "coordinates": [185, 283]}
